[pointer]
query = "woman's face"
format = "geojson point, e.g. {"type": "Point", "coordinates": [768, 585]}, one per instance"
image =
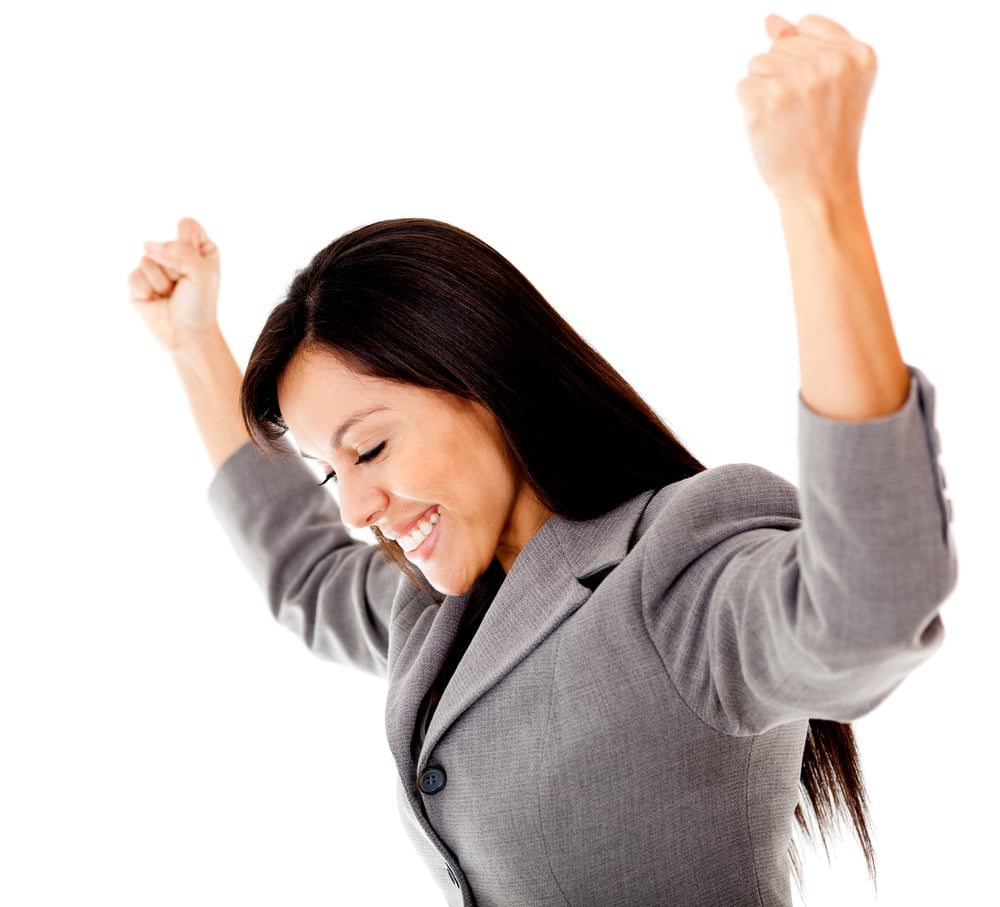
{"type": "Point", "coordinates": [429, 469]}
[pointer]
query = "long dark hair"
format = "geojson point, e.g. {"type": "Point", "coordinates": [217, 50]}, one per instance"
{"type": "Point", "coordinates": [425, 303]}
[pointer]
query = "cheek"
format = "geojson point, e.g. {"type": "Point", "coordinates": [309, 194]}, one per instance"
{"type": "Point", "coordinates": [481, 503]}
{"type": "Point", "coordinates": [468, 481]}
{"type": "Point", "coordinates": [472, 478]}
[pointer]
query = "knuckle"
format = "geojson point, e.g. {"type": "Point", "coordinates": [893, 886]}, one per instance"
{"type": "Point", "coordinates": [138, 286]}
{"type": "Point", "coordinates": [150, 269]}
{"type": "Point", "coordinates": [832, 61]}
{"type": "Point", "coordinates": [744, 92]}
{"type": "Point", "coordinates": [832, 64]}
{"type": "Point", "coordinates": [866, 57]}
{"type": "Point", "coordinates": [775, 91]}
{"type": "Point", "coordinates": [821, 25]}
{"type": "Point", "coordinates": [813, 21]}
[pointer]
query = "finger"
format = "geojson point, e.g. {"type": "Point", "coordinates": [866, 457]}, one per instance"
{"type": "Point", "coordinates": [778, 27]}
{"type": "Point", "coordinates": [167, 259]}
{"type": "Point", "coordinates": [811, 48]}
{"type": "Point", "coordinates": [139, 288]}
{"type": "Point", "coordinates": [173, 275]}
{"type": "Point", "coordinates": [763, 65]}
{"type": "Point", "coordinates": [822, 27]}
{"type": "Point", "coordinates": [749, 91]}
{"type": "Point", "coordinates": [177, 256]}
{"type": "Point", "coordinates": [779, 57]}
{"type": "Point", "coordinates": [156, 277]}
{"type": "Point", "coordinates": [799, 47]}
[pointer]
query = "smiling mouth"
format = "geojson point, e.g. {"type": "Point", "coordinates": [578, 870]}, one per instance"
{"type": "Point", "coordinates": [415, 538]}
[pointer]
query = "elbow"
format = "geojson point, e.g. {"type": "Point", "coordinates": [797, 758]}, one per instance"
{"type": "Point", "coordinates": [857, 618]}
{"type": "Point", "coordinates": [933, 577]}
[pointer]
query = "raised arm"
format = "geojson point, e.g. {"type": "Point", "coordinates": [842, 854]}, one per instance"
{"type": "Point", "coordinates": [813, 604]}
{"type": "Point", "coordinates": [175, 289]}
{"type": "Point", "coordinates": [805, 103]}
{"type": "Point", "coordinates": [334, 592]}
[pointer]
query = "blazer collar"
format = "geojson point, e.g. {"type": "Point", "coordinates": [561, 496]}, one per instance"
{"type": "Point", "coordinates": [593, 546]}
{"type": "Point", "coordinates": [546, 584]}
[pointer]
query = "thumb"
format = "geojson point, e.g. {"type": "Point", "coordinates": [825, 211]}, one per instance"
{"type": "Point", "coordinates": [778, 27]}
{"type": "Point", "coordinates": [191, 232]}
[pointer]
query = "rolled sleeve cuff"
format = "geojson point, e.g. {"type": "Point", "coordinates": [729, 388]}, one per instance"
{"type": "Point", "coordinates": [869, 457]}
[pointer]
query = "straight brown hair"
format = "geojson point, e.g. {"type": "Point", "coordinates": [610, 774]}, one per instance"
{"type": "Point", "coordinates": [423, 302]}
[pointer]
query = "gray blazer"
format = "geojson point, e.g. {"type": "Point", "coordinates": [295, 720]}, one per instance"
{"type": "Point", "coordinates": [627, 726]}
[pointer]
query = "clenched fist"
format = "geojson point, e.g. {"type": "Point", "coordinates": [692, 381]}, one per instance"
{"type": "Point", "coordinates": [176, 286]}
{"type": "Point", "coordinates": [804, 102]}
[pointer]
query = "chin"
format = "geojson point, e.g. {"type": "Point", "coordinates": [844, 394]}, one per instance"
{"type": "Point", "coordinates": [449, 586]}
{"type": "Point", "coordinates": [455, 581]}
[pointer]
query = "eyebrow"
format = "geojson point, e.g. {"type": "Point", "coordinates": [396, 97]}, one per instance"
{"type": "Point", "coordinates": [338, 436]}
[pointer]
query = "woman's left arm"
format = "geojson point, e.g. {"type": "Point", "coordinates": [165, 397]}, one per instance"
{"type": "Point", "coordinates": [769, 619]}
{"type": "Point", "coordinates": [804, 102]}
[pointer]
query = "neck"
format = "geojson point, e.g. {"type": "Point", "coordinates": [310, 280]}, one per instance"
{"type": "Point", "coordinates": [527, 517]}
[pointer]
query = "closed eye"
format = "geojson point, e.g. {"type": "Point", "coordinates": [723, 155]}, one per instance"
{"type": "Point", "coordinates": [370, 455]}
{"type": "Point", "coordinates": [366, 457]}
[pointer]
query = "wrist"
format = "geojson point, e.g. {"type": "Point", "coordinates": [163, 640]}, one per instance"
{"type": "Point", "coordinates": [204, 355]}
{"type": "Point", "coordinates": [826, 200]}
{"type": "Point", "coordinates": [834, 218]}
{"type": "Point", "coordinates": [212, 381]}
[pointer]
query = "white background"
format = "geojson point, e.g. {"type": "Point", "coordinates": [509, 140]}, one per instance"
{"type": "Point", "coordinates": [164, 741]}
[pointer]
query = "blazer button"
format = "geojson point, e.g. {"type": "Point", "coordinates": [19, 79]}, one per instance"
{"type": "Point", "coordinates": [432, 779]}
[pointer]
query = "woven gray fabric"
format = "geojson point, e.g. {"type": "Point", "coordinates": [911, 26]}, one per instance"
{"type": "Point", "coordinates": [635, 740]}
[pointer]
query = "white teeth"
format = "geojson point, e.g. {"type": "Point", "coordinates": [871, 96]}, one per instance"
{"type": "Point", "coordinates": [412, 540]}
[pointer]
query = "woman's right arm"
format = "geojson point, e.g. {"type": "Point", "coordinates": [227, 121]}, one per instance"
{"type": "Point", "coordinates": [332, 591]}
{"type": "Point", "coordinates": [175, 289]}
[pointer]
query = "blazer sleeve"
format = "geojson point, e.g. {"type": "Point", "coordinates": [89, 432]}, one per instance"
{"type": "Point", "coordinates": [768, 617]}
{"type": "Point", "coordinates": [333, 591]}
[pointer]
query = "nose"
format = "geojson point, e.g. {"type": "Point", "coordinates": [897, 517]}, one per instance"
{"type": "Point", "coordinates": [361, 503]}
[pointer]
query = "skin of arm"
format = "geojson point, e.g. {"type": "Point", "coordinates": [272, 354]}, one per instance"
{"type": "Point", "coordinates": [804, 103]}
{"type": "Point", "coordinates": [175, 290]}
{"type": "Point", "coordinates": [211, 380]}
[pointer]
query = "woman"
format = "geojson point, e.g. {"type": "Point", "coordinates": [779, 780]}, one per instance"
{"type": "Point", "coordinates": [609, 669]}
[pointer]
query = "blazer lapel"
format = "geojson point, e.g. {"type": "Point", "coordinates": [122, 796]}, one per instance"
{"type": "Point", "coordinates": [543, 588]}
{"type": "Point", "coordinates": [414, 670]}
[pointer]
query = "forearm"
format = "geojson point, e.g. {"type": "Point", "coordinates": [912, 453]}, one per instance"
{"type": "Point", "coordinates": [851, 366]}
{"type": "Point", "coordinates": [212, 380]}
{"type": "Point", "coordinates": [333, 591]}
